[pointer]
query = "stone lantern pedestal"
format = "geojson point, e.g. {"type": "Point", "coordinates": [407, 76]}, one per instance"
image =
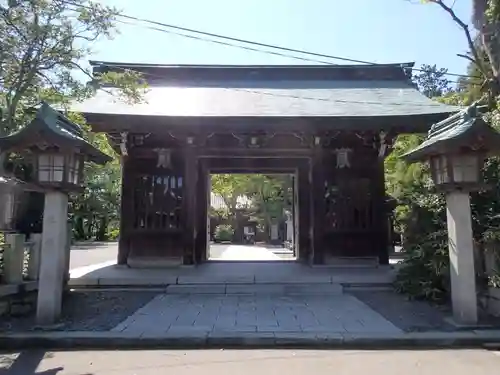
{"type": "Point", "coordinates": [53, 261]}
{"type": "Point", "coordinates": [461, 253]}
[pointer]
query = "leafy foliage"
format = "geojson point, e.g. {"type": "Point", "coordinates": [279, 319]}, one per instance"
{"type": "Point", "coordinates": [224, 232]}
{"type": "Point", "coordinates": [425, 273]}
{"type": "Point", "coordinates": [432, 81]}
{"type": "Point", "coordinates": [420, 215]}
{"type": "Point", "coordinates": [270, 196]}
{"type": "Point", "coordinates": [44, 44]}
{"type": "Point", "coordinates": [420, 212]}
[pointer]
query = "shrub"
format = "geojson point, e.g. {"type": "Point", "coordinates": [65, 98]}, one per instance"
{"type": "Point", "coordinates": [113, 234]}
{"type": "Point", "coordinates": [424, 273]}
{"type": "Point", "coordinates": [224, 232]}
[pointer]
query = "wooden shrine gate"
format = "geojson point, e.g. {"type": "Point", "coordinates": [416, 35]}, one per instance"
{"type": "Point", "coordinates": [331, 125]}
{"type": "Point", "coordinates": [340, 192]}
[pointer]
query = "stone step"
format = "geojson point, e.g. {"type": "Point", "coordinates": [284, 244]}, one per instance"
{"type": "Point", "coordinates": [285, 289]}
{"type": "Point", "coordinates": [372, 287]}
{"type": "Point", "coordinates": [231, 289]}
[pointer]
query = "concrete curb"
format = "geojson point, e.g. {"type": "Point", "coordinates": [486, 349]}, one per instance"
{"type": "Point", "coordinates": [121, 340]}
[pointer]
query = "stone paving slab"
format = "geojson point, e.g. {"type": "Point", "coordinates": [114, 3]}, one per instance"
{"type": "Point", "coordinates": [205, 314]}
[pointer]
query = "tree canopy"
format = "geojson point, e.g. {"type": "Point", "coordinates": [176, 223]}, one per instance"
{"type": "Point", "coordinates": [269, 196]}
{"type": "Point", "coordinates": [45, 44]}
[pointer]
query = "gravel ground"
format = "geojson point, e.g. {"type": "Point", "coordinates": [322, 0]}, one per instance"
{"type": "Point", "coordinates": [88, 311]}
{"type": "Point", "coordinates": [416, 316]}
{"type": "Point", "coordinates": [410, 316]}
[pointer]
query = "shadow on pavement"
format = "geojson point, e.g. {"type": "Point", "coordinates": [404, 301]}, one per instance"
{"type": "Point", "coordinates": [26, 363]}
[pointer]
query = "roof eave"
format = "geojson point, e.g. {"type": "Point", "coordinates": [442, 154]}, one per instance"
{"type": "Point", "coordinates": [490, 141]}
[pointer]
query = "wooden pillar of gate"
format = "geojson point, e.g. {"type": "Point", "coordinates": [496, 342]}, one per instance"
{"type": "Point", "coordinates": [126, 211]}
{"type": "Point", "coordinates": [189, 202]}
{"type": "Point", "coordinates": [318, 202]}
{"type": "Point", "coordinates": [381, 213]}
{"type": "Point", "coordinates": [202, 215]}
{"type": "Point", "coordinates": [304, 203]}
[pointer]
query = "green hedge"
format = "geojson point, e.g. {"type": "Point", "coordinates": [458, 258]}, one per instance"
{"type": "Point", "coordinates": [224, 232]}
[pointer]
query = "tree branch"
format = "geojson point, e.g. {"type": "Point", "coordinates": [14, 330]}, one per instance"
{"type": "Point", "coordinates": [477, 60]}
{"type": "Point", "coordinates": [466, 57]}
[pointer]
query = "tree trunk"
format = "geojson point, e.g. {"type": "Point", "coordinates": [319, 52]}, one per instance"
{"type": "Point", "coordinates": [490, 37]}
{"type": "Point", "coordinates": [90, 227]}
{"type": "Point", "coordinates": [102, 229]}
{"type": "Point", "coordinates": [3, 158]}
{"type": "Point", "coordinates": [79, 228]}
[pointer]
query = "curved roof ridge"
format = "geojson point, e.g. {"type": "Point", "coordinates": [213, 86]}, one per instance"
{"type": "Point", "coordinates": [95, 63]}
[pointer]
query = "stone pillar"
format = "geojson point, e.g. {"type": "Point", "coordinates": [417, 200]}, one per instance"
{"type": "Point", "coordinates": [34, 260]}
{"type": "Point", "coordinates": [67, 252]}
{"type": "Point", "coordinates": [14, 259]}
{"type": "Point", "coordinates": [463, 276]}
{"type": "Point", "coordinates": [289, 229]}
{"type": "Point", "coordinates": [53, 257]}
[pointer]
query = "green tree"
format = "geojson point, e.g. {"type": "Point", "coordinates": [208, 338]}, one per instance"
{"type": "Point", "coordinates": [271, 197]}
{"type": "Point", "coordinates": [44, 45]}
{"type": "Point", "coordinates": [230, 187]}
{"type": "Point", "coordinates": [420, 213]}
{"type": "Point", "coordinates": [484, 49]}
{"type": "Point", "coordinates": [432, 81]}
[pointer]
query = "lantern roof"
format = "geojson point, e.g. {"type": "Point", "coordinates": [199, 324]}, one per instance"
{"type": "Point", "coordinates": [464, 130]}
{"type": "Point", "coordinates": [14, 182]}
{"type": "Point", "coordinates": [52, 127]}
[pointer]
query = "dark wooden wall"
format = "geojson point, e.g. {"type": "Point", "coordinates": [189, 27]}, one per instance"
{"type": "Point", "coordinates": [151, 220]}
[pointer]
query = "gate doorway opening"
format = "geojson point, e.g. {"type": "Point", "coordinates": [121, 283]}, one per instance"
{"type": "Point", "coordinates": [252, 217]}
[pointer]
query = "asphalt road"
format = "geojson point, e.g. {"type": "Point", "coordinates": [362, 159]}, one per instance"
{"type": "Point", "coordinates": [84, 255]}
{"type": "Point", "coordinates": [251, 362]}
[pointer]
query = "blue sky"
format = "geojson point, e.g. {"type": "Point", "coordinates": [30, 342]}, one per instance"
{"type": "Point", "coordinates": [381, 31]}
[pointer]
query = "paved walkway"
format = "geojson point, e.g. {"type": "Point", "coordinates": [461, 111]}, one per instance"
{"type": "Point", "coordinates": [92, 256]}
{"type": "Point", "coordinates": [244, 253]}
{"type": "Point", "coordinates": [210, 315]}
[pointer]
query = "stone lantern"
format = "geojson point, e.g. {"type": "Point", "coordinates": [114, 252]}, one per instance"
{"type": "Point", "coordinates": [57, 150]}
{"type": "Point", "coordinates": [456, 149]}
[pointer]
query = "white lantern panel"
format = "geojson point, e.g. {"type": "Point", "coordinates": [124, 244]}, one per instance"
{"type": "Point", "coordinates": [465, 168]}
{"type": "Point", "coordinates": [44, 168]}
{"type": "Point", "coordinates": [73, 167]}
{"type": "Point", "coordinates": [441, 170]}
{"type": "Point", "coordinates": [50, 168]}
{"type": "Point", "coordinates": [58, 168]}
